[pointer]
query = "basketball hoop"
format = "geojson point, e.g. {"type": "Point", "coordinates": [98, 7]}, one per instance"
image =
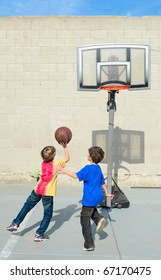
{"type": "Point", "coordinates": [112, 73]}
{"type": "Point", "coordinates": [114, 87]}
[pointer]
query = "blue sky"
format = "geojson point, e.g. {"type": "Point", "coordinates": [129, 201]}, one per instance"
{"type": "Point", "coordinates": [132, 8]}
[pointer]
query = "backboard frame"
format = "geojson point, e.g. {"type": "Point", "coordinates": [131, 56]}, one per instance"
{"type": "Point", "coordinates": [126, 64]}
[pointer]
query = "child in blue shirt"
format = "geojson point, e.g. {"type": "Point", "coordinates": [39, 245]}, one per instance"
{"type": "Point", "coordinates": [93, 193]}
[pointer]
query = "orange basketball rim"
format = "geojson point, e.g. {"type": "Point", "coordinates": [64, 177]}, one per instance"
{"type": "Point", "coordinates": [114, 87]}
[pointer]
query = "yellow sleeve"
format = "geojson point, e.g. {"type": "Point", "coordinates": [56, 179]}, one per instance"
{"type": "Point", "coordinates": [60, 162]}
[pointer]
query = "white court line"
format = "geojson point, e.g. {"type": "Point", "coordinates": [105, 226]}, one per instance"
{"type": "Point", "coordinates": [9, 246]}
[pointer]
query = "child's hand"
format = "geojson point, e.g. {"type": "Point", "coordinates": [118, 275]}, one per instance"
{"type": "Point", "coordinates": [111, 196]}
{"type": "Point", "coordinates": [63, 144]}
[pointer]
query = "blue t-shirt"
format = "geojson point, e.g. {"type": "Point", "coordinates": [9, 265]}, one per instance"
{"type": "Point", "coordinates": [93, 180]}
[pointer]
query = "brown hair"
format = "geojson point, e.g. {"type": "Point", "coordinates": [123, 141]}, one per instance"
{"type": "Point", "coordinates": [96, 153]}
{"type": "Point", "coordinates": [48, 153]}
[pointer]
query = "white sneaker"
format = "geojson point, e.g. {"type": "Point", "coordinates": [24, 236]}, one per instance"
{"type": "Point", "coordinates": [12, 227]}
{"type": "Point", "coordinates": [88, 249]}
{"type": "Point", "coordinates": [101, 224]}
{"type": "Point", "coordinates": [39, 238]}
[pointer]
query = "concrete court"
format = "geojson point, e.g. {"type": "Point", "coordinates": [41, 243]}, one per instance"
{"type": "Point", "coordinates": [131, 234]}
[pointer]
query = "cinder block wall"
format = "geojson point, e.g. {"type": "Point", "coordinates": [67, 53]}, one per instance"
{"type": "Point", "coordinates": [38, 90]}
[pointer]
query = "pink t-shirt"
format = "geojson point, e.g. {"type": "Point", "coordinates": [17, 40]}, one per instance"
{"type": "Point", "coordinates": [48, 180]}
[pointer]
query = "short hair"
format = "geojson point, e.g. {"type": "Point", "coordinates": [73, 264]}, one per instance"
{"type": "Point", "coordinates": [48, 153]}
{"type": "Point", "coordinates": [96, 153]}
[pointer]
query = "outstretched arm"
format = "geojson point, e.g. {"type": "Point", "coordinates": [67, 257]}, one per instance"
{"type": "Point", "coordinates": [69, 173]}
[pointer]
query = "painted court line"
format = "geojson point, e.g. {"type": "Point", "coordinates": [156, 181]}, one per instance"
{"type": "Point", "coordinates": [9, 246]}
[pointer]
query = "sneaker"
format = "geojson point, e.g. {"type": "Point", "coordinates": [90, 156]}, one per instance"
{"type": "Point", "coordinates": [101, 224]}
{"type": "Point", "coordinates": [88, 249]}
{"type": "Point", "coordinates": [39, 238]}
{"type": "Point", "coordinates": [12, 227]}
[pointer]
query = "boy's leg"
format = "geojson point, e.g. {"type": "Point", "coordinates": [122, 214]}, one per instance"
{"type": "Point", "coordinates": [98, 220]}
{"type": "Point", "coordinates": [96, 217]}
{"type": "Point", "coordinates": [86, 214]}
{"type": "Point", "coordinates": [31, 201]}
{"type": "Point", "coordinates": [47, 202]}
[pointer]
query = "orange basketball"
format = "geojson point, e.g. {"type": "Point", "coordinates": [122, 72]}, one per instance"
{"type": "Point", "coordinates": [63, 134]}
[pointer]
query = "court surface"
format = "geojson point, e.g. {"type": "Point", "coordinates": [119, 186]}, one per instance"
{"type": "Point", "coordinates": [133, 233]}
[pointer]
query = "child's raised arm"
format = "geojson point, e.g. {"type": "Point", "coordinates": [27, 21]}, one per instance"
{"type": "Point", "coordinates": [66, 152]}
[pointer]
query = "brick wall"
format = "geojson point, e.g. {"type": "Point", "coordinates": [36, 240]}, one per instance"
{"type": "Point", "coordinates": [38, 90]}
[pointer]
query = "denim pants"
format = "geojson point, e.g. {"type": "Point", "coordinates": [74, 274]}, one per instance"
{"type": "Point", "coordinates": [87, 214]}
{"type": "Point", "coordinates": [30, 203]}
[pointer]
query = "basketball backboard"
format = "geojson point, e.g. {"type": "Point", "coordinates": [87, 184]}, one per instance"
{"type": "Point", "coordinates": [113, 64]}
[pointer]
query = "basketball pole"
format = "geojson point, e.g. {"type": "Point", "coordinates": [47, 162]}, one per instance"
{"type": "Point", "coordinates": [111, 108]}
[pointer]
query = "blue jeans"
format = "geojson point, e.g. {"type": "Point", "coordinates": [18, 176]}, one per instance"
{"type": "Point", "coordinates": [87, 214]}
{"type": "Point", "coordinates": [30, 203]}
